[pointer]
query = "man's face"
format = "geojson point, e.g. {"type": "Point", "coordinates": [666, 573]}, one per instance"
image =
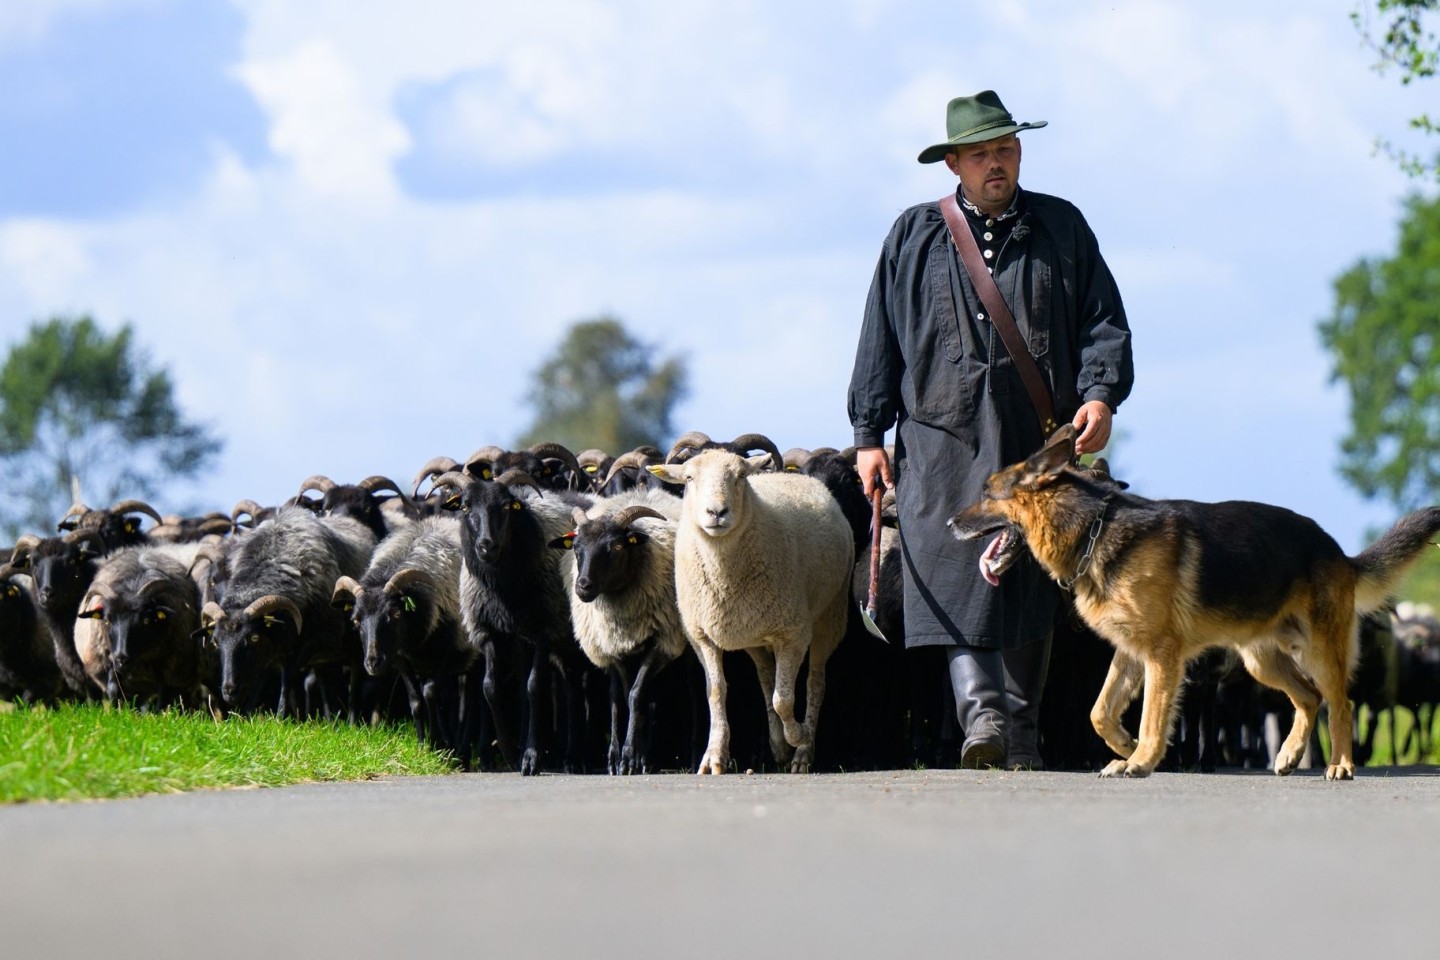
{"type": "Point", "coordinates": [988, 171]}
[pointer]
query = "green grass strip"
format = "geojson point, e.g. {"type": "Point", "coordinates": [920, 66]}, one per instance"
{"type": "Point", "coordinates": [81, 752]}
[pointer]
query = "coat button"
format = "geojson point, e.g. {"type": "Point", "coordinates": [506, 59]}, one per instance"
{"type": "Point", "coordinates": [989, 236]}
{"type": "Point", "coordinates": [989, 254]}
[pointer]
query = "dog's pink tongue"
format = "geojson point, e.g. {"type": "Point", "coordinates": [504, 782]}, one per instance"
{"type": "Point", "coordinates": [987, 558]}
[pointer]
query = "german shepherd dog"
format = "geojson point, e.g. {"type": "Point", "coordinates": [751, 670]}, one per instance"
{"type": "Point", "coordinates": [1162, 580]}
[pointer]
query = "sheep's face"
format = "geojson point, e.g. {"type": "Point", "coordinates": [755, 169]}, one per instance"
{"type": "Point", "coordinates": [249, 647]}
{"type": "Point", "coordinates": [388, 622]}
{"type": "Point", "coordinates": [140, 633]}
{"type": "Point", "coordinates": [61, 570]}
{"type": "Point", "coordinates": [609, 557]}
{"type": "Point", "coordinates": [489, 511]}
{"type": "Point", "coordinates": [716, 483]}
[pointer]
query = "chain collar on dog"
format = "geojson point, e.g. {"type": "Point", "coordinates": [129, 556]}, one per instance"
{"type": "Point", "coordinates": [1085, 561]}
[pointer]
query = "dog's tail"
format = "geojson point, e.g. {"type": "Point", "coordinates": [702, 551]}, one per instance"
{"type": "Point", "coordinates": [1380, 566]}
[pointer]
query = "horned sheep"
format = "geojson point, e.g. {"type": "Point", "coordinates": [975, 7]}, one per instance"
{"type": "Point", "coordinates": [620, 576]}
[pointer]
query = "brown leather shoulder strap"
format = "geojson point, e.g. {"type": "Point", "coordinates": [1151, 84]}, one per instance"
{"type": "Point", "coordinates": [1000, 315]}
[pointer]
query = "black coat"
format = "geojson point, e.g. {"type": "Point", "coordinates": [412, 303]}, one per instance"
{"type": "Point", "coordinates": [930, 361]}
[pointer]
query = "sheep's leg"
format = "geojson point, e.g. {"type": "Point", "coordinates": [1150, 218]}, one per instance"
{"type": "Point", "coordinates": [635, 758]}
{"type": "Point", "coordinates": [788, 658]}
{"type": "Point", "coordinates": [468, 695]}
{"type": "Point", "coordinates": [619, 683]}
{"type": "Point", "coordinates": [814, 697]}
{"type": "Point", "coordinates": [416, 702]}
{"type": "Point", "coordinates": [498, 694]}
{"type": "Point", "coordinates": [764, 659]}
{"type": "Point", "coordinates": [535, 696]}
{"type": "Point", "coordinates": [717, 751]}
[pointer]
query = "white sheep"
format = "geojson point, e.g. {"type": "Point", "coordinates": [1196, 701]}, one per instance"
{"type": "Point", "coordinates": [762, 564]}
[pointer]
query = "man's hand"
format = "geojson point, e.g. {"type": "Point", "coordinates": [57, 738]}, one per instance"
{"type": "Point", "coordinates": [870, 462]}
{"type": "Point", "coordinates": [1093, 422]}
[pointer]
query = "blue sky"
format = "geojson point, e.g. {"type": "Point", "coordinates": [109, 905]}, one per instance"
{"type": "Point", "coordinates": [351, 230]}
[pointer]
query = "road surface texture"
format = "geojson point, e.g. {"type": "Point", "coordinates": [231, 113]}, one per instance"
{"type": "Point", "coordinates": [874, 865]}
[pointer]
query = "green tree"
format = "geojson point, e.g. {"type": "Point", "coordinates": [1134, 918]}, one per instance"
{"type": "Point", "coordinates": [603, 388]}
{"type": "Point", "coordinates": [1401, 39]}
{"type": "Point", "coordinates": [84, 411]}
{"type": "Point", "coordinates": [1384, 336]}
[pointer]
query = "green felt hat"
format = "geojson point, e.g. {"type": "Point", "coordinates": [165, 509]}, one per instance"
{"type": "Point", "coordinates": [975, 120]}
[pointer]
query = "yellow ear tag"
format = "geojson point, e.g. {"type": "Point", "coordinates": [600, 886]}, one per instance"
{"type": "Point", "coordinates": [159, 614]}
{"type": "Point", "coordinates": [632, 539]}
{"type": "Point", "coordinates": [485, 474]}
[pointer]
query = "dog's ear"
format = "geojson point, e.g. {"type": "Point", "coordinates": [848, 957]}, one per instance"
{"type": "Point", "coordinates": [1058, 451]}
{"type": "Point", "coordinates": [1101, 466]}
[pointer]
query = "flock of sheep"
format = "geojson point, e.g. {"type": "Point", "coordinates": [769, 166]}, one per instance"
{"type": "Point", "coordinates": [541, 610]}
{"type": "Point", "coordinates": [498, 595]}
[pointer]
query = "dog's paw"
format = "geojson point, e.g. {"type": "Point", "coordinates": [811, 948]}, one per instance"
{"type": "Point", "coordinates": [1287, 760]}
{"type": "Point", "coordinates": [1340, 771]}
{"type": "Point", "coordinates": [714, 762]}
{"type": "Point", "coordinates": [1124, 768]}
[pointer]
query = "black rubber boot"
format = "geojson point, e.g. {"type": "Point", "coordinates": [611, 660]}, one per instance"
{"type": "Point", "coordinates": [977, 676]}
{"type": "Point", "coordinates": [1025, 671]}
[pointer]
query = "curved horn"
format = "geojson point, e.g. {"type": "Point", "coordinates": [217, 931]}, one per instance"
{"type": "Point", "coordinates": [211, 553]}
{"type": "Point", "coordinates": [515, 477]}
{"type": "Point", "coordinates": [558, 451]}
{"type": "Point", "coordinates": [797, 457]}
{"type": "Point", "coordinates": [77, 510]}
{"type": "Point", "coordinates": [594, 461]}
{"type": "Point", "coordinates": [694, 442]}
{"type": "Point", "coordinates": [579, 515]}
{"type": "Point", "coordinates": [24, 545]}
{"type": "Point", "coordinates": [487, 455]}
{"type": "Point", "coordinates": [379, 484]}
{"type": "Point", "coordinates": [76, 537]}
{"type": "Point", "coordinates": [454, 479]}
{"type": "Point", "coordinates": [137, 506]}
{"type": "Point", "coordinates": [433, 467]}
{"type": "Point", "coordinates": [216, 525]}
{"type": "Point", "coordinates": [152, 583]}
{"type": "Point", "coordinates": [211, 614]}
{"type": "Point", "coordinates": [272, 603]}
{"type": "Point", "coordinates": [245, 508]}
{"type": "Point", "coordinates": [404, 579]}
{"type": "Point", "coordinates": [318, 482]}
{"type": "Point", "coordinates": [630, 514]}
{"type": "Point", "coordinates": [634, 459]}
{"type": "Point", "coordinates": [345, 585]}
{"type": "Point", "coordinates": [746, 442]}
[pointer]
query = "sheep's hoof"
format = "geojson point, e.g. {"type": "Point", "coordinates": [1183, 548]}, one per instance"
{"type": "Point", "coordinates": [800, 763]}
{"type": "Point", "coordinates": [530, 763]}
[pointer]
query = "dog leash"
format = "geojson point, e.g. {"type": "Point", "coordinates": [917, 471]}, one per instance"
{"type": "Point", "coordinates": [1095, 527]}
{"type": "Point", "coordinates": [1000, 316]}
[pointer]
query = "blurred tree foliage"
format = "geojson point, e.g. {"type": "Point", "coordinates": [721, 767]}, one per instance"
{"type": "Point", "coordinates": [1398, 33]}
{"type": "Point", "coordinates": [1384, 339]}
{"type": "Point", "coordinates": [603, 388]}
{"type": "Point", "coordinates": [82, 411]}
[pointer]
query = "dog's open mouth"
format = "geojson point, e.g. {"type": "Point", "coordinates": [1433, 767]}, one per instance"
{"type": "Point", "coordinates": [999, 554]}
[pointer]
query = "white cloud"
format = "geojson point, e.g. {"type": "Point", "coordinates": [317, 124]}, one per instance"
{"type": "Point", "coordinates": [341, 142]}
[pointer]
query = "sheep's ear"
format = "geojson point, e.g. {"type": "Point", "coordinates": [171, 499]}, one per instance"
{"type": "Point", "coordinates": [94, 613]}
{"type": "Point", "coordinates": [566, 542]}
{"type": "Point", "coordinates": [669, 472]}
{"type": "Point", "coordinates": [763, 461]}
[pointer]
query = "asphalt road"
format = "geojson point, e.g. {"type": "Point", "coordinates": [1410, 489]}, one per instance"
{"type": "Point", "coordinates": [915, 863]}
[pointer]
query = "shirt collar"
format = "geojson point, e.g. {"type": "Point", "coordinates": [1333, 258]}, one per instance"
{"type": "Point", "coordinates": [1011, 211]}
